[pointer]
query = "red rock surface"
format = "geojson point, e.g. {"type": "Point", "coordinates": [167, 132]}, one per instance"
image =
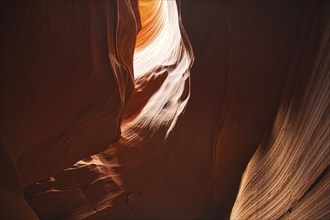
{"type": "Point", "coordinates": [64, 82]}
{"type": "Point", "coordinates": [227, 116]}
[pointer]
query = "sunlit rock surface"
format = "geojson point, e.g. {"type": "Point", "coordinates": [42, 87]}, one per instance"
{"type": "Point", "coordinates": [288, 177]}
{"type": "Point", "coordinates": [220, 89]}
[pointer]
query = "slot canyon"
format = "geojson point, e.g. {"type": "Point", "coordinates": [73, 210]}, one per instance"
{"type": "Point", "coordinates": [165, 109]}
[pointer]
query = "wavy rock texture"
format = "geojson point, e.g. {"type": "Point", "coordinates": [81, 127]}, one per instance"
{"type": "Point", "coordinates": [161, 67]}
{"type": "Point", "coordinates": [255, 75]}
{"type": "Point", "coordinates": [64, 85]}
{"type": "Point", "coordinates": [288, 177]}
{"type": "Point", "coordinates": [248, 53]}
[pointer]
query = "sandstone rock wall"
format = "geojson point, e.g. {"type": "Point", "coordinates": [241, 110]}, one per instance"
{"type": "Point", "coordinates": [214, 110]}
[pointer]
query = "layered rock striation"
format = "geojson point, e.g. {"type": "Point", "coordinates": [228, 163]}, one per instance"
{"type": "Point", "coordinates": [165, 110]}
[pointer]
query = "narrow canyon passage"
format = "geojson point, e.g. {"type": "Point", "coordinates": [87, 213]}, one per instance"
{"type": "Point", "coordinates": [152, 109]}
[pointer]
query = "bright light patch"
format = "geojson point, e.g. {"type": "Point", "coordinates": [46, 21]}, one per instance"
{"type": "Point", "coordinates": [160, 52]}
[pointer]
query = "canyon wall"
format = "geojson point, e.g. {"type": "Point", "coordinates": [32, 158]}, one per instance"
{"type": "Point", "coordinates": [169, 110]}
{"type": "Point", "coordinates": [66, 76]}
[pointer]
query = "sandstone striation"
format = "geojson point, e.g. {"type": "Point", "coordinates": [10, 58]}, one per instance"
{"type": "Point", "coordinates": [165, 110]}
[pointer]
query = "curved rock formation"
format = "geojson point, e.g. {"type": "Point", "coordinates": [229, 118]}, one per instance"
{"type": "Point", "coordinates": [64, 84]}
{"type": "Point", "coordinates": [288, 176]}
{"type": "Point", "coordinates": [251, 142]}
